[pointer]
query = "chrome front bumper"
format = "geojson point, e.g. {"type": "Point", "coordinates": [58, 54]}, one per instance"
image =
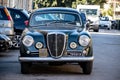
{"type": "Point", "coordinates": [50, 59]}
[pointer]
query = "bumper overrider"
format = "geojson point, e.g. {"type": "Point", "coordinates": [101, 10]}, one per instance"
{"type": "Point", "coordinates": [50, 59]}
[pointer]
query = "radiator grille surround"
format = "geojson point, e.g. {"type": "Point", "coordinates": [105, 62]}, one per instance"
{"type": "Point", "coordinates": [56, 44]}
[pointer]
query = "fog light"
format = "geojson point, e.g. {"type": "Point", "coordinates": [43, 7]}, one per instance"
{"type": "Point", "coordinates": [84, 52]}
{"type": "Point", "coordinates": [39, 45]}
{"type": "Point", "coordinates": [73, 45]}
{"type": "Point", "coordinates": [28, 52]}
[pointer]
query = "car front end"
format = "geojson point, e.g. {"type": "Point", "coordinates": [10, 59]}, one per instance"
{"type": "Point", "coordinates": [105, 23]}
{"type": "Point", "coordinates": [94, 25]}
{"type": "Point", "coordinates": [56, 46]}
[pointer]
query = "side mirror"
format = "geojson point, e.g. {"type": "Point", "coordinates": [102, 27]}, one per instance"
{"type": "Point", "coordinates": [26, 22]}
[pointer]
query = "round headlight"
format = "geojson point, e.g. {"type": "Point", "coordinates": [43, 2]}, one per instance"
{"type": "Point", "coordinates": [73, 45]}
{"type": "Point", "coordinates": [28, 40]}
{"type": "Point", "coordinates": [84, 40]}
{"type": "Point", "coordinates": [39, 45]}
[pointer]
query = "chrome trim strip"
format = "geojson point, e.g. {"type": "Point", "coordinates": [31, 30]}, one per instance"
{"type": "Point", "coordinates": [50, 59]}
{"type": "Point", "coordinates": [56, 50]}
{"type": "Point", "coordinates": [74, 50]}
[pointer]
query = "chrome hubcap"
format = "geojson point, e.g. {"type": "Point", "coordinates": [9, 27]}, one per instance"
{"type": "Point", "coordinates": [16, 41]}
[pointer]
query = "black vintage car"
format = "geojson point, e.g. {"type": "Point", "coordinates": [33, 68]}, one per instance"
{"type": "Point", "coordinates": [56, 36]}
{"type": "Point", "coordinates": [5, 42]}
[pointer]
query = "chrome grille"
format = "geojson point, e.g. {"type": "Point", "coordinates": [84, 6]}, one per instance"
{"type": "Point", "coordinates": [56, 44]}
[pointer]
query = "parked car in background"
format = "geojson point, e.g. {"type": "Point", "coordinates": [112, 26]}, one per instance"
{"type": "Point", "coordinates": [5, 42]}
{"type": "Point", "coordinates": [19, 16]}
{"type": "Point", "coordinates": [89, 24]}
{"type": "Point", "coordinates": [105, 23]}
{"type": "Point", "coordinates": [92, 14]}
{"type": "Point", "coordinates": [56, 36]}
{"type": "Point", "coordinates": [93, 26]}
{"type": "Point", "coordinates": [114, 24]}
{"type": "Point", "coordinates": [6, 23]}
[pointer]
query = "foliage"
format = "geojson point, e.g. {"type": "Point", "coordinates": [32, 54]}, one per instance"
{"type": "Point", "coordinates": [109, 11]}
{"type": "Point", "coordinates": [65, 3]}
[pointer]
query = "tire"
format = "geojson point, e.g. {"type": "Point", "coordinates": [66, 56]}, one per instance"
{"type": "Point", "coordinates": [5, 46]}
{"type": "Point", "coordinates": [87, 67]}
{"type": "Point", "coordinates": [97, 30]}
{"type": "Point", "coordinates": [25, 66]}
{"type": "Point", "coordinates": [108, 28]}
{"type": "Point", "coordinates": [90, 30]}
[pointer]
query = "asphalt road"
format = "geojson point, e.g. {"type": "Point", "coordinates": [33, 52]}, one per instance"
{"type": "Point", "coordinates": [106, 46]}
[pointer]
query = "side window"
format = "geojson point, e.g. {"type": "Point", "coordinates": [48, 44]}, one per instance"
{"type": "Point", "coordinates": [2, 15]}
{"type": "Point", "coordinates": [17, 15]}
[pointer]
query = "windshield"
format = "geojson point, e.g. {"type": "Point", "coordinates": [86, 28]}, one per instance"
{"type": "Point", "coordinates": [104, 18]}
{"type": "Point", "coordinates": [54, 17]}
{"type": "Point", "coordinates": [89, 11]}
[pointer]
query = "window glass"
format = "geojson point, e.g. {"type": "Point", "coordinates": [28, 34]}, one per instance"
{"type": "Point", "coordinates": [17, 15]}
{"type": "Point", "coordinates": [89, 11]}
{"type": "Point", "coordinates": [2, 15]}
{"type": "Point", "coordinates": [104, 19]}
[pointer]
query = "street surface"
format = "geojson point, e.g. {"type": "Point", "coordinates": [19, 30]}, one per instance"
{"type": "Point", "coordinates": [106, 45]}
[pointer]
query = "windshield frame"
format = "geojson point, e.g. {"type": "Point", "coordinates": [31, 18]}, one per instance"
{"type": "Point", "coordinates": [60, 12]}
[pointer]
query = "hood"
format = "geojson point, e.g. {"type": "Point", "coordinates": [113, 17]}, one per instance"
{"type": "Point", "coordinates": [67, 29]}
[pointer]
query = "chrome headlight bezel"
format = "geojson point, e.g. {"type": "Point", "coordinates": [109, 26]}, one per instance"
{"type": "Point", "coordinates": [84, 40]}
{"type": "Point", "coordinates": [73, 45]}
{"type": "Point", "coordinates": [39, 45]}
{"type": "Point", "coordinates": [28, 40]}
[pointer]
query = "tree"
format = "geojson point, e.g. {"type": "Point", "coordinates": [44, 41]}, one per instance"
{"type": "Point", "coordinates": [65, 3]}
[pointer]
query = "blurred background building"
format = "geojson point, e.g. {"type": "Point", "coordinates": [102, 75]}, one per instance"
{"type": "Point", "coordinates": [21, 4]}
{"type": "Point", "coordinates": [115, 4]}
{"type": "Point", "coordinates": [110, 8]}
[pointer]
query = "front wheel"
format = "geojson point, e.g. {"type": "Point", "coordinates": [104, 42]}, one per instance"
{"type": "Point", "coordinates": [87, 67]}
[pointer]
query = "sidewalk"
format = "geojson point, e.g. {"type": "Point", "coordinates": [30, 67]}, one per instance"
{"type": "Point", "coordinates": [109, 31]}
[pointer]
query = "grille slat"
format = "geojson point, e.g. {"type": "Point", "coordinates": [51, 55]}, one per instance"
{"type": "Point", "coordinates": [56, 44]}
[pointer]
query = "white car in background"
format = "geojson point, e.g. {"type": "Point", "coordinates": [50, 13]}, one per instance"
{"type": "Point", "coordinates": [105, 23]}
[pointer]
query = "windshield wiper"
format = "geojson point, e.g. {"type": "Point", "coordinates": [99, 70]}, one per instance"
{"type": "Point", "coordinates": [62, 21]}
{"type": "Point", "coordinates": [55, 21]}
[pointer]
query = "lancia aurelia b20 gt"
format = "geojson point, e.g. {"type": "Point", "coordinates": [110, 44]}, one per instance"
{"type": "Point", "coordinates": [56, 35]}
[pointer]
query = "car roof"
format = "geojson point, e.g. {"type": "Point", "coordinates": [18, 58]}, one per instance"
{"type": "Point", "coordinates": [56, 9]}
{"type": "Point", "coordinates": [15, 9]}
